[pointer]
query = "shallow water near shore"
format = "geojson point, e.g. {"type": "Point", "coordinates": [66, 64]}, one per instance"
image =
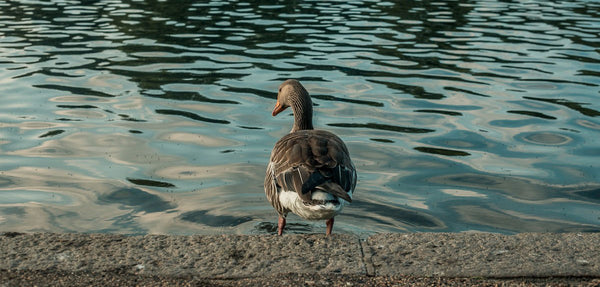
{"type": "Point", "coordinates": [143, 117]}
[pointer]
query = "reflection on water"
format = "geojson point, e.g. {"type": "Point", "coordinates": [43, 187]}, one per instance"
{"type": "Point", "coordinates": [154, 116]}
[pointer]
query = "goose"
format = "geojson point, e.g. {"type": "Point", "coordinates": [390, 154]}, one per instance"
{"type": "Point", "coordinates": [310, 172]}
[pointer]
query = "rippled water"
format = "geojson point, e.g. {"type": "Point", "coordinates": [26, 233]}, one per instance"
{"type": "Point", "coordinates": [154, 116]}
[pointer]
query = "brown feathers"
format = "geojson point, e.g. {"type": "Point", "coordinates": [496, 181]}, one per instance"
{"type": "Point", "coordinates": [309, 159]}
{"type": "Point", "coordinates": [310, 172]}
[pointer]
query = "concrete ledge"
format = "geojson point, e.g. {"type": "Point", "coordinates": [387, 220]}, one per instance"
{"type": "Point", "coordinates": [486, 255]}
{"type": "Point", "coordinates": [244, 257]}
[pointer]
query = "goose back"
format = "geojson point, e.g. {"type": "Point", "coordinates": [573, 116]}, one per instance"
{"type": "Point", "coordinates": [309, 160]}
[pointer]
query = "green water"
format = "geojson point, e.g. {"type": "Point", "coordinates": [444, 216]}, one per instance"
{"type": "Point", "coordinates": [154, 116]}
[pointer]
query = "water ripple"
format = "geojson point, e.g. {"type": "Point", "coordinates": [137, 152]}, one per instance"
{"type": "Point", "coordinates": [154, 116]}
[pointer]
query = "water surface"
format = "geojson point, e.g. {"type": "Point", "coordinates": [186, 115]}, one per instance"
{"type": "Point", "coordinates": [154, 116]}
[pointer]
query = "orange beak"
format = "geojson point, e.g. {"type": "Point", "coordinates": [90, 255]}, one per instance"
{"type": "Point", "coordinates": [278, 108]}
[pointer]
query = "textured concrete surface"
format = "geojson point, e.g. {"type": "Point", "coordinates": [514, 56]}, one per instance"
{"type": "Point", "coordinates": [339, 260]}
{"type": "Point", "coordinates": [486, 255]}
{"type": "Point", "coordinates": [208, 256]}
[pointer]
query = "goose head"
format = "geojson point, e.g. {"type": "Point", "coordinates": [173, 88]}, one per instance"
{"type": "Point", "coordinates": [293, 94]}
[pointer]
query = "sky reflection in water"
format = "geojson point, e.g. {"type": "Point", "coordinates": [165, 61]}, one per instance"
{"type": "Point", "coordinates": [149, 117]}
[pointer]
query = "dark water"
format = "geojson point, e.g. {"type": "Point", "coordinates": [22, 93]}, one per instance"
{"type": "Point", "coordinates": [154, 116]}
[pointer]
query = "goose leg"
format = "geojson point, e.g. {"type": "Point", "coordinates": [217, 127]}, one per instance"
{"type": "Point", "coordinates": [329, 224]}
{"type": "Point", "coordinates": [280, 225]}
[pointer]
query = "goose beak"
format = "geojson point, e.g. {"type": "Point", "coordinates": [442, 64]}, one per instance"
{"type": "Point", "coordinates": [278, 108]}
